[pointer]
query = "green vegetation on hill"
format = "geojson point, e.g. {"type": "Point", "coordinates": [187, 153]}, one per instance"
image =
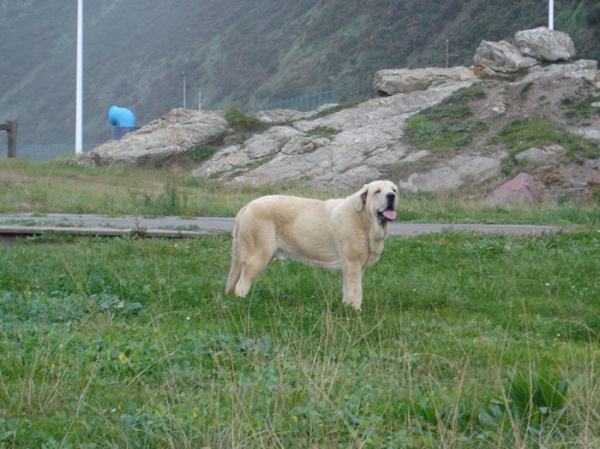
{"type": "Point", "coordinates": [237, 53]}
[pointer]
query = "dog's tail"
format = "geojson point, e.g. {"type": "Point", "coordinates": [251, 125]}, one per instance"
{"type": "Point", "coordinates": [236, 263]}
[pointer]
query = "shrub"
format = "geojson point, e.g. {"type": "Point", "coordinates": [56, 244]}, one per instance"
{"type": "Point", "coordinates": [202, 152]}
{"type": "Point", "coordinates": [238, 119]}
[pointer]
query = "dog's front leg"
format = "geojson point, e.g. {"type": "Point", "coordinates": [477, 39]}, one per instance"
{"type": "Point", "coordinates": [352, 273]}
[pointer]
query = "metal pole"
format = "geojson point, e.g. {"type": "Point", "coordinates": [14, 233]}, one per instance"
{"type": "Point", "coordinates": [446, 53]}
{"type": "Point", "coordinates": [200, 101]}
{"type": "Point", "coordinates": [183, 73]}
{"type": "Point", "coordinates": [79, 88]}
{"type": "Point", "coordinates": [551, 14]}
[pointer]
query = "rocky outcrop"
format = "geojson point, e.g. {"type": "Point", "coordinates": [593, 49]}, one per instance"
{"type": "Point", "coordinates": [545, 44]}
{"type": "Point", "coordinates": [400, 81]}
{"type": "Point", "coordinates": [549, 175]}
{"type": "Point", "coordinates": [531, 47]}
{"type": "Point", "coordinates": [340, 151]}
{"type": "Point", "coordinates": [584, 68]}
{"type": "Point", "coordinates": [254, 151]}
{"type": "Point", "coordinates": [500, 57]}
{"type": "Point", "coordinates": [158, 142]}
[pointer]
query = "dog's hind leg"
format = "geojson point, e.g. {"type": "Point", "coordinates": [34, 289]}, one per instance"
{"type": "Point", "coordinates": [234, 273]}
{"type": "Point", "coordinates": [236, 264]}
{"type": "Point", "coordinates": [251, 268]}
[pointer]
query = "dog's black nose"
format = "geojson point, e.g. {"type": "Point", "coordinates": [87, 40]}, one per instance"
{"type": "Point", "coordinates": [391, 197]}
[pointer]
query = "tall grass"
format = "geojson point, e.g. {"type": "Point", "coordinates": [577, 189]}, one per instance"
{"type": "Point", "coordinates": [130, 343]}
{"type": "Point", "coordinates": [61, 187]}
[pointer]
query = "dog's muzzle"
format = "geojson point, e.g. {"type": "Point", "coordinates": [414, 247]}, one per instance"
{"type": "Point", "coordinates": [389, 213]}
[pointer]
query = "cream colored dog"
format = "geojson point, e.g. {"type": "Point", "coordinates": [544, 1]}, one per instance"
{"type": "Point", "coordinates": [339, 234]}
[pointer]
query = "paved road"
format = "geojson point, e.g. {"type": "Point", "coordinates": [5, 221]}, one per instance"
{"type": "Point", "coordinates": [175, 227]}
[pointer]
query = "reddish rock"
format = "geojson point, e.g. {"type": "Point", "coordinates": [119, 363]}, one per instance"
{"type": "Point", "coordinates": [519, 189]}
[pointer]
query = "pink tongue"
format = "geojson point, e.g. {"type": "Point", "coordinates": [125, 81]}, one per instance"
{"type": "Point", "coordinates": [389, 214]}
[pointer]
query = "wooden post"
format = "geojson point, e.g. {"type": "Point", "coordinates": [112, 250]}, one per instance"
{"type": "Point", "coordinates": [11, 127]}
{"type": "Point", "coordinates": [12, 138]}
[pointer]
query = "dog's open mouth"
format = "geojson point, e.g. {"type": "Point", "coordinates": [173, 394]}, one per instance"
{"type": "Point", "coordinates": [387, 215]}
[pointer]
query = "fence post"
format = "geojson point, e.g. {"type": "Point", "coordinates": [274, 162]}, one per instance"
{"type": "Point", "coordinates": [11, 127]}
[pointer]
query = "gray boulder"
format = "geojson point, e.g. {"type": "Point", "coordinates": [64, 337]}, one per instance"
{"type": "Point", "coordinates": [545, 44]}
{"type": "Point", "coordinates": [394, 81]}
{"type": "Point", "coordinates": [583, 68]}
{"type": "Point", "coordinates": [160, 141]}
{"type": "Point", "coordinates": [534, 157]}
{"type": "Point", "coordinates": [500, 57]}
{"type": "Point", "coordinates": [464, 169]}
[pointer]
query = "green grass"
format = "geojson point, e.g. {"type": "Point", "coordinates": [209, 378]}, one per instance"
{"type": "Point", "coordinates": [466, 340]}
{"type": "Point", "coordinates": [443, 128]}
{"type": "Point", "coordinates": [524, 133]}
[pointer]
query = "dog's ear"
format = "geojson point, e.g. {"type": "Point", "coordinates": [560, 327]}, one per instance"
{"type": "Point", "coordinates": [362, 198]}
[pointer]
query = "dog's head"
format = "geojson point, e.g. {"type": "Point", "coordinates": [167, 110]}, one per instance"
{"type": "Point", "coordinates": [380, 198]}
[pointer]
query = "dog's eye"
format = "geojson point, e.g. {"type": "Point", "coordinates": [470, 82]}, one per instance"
{"type": "Point", "coordinates": [377, 191]}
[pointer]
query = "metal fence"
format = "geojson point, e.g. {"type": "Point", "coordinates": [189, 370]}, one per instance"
{"type": "Point", "coordinates": [41, 153]}
{"type": "Point", "coordinates": [303, 103]}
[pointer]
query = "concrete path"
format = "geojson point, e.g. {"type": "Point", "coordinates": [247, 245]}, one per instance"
{"type": "Point", "coordinates": [175, 227]}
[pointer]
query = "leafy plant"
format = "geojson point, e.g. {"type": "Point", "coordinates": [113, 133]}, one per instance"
{"type": "Point", "coordinates": [531, 398]}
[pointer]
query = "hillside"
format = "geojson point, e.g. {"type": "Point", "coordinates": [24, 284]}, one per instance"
{"type": "Point", "coordinates": [237, 52]}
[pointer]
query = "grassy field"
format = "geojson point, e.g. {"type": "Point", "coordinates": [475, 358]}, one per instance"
{"type": "Point", "coordinates": [466, 340]}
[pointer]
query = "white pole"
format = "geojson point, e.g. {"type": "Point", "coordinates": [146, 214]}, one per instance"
{"type": "Point", "coordinates": [79, 89]}
{"type": "Point", "coordinates": [551, 15]}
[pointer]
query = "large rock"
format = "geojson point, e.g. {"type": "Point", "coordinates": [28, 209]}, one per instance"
{"type": "Point", "coordinates": [522, 188]}
{"type": "Point", "coordinates": [545, 44]}
{"type": "Point", "coordinates": [500, 57]}
{"type": "Point", "coordinates": [159, 141]}
{"type": "Point", "coordinates": [458, 171]}
{"type": "Point", "coordinates": [578, 181]}
{"type": "Point", "coordinates": [259, 148]}
{"type": "Point", "coordinates": [535, 157]}
{"type": "Point", "coordinates": [584, 68]}
{"type": "Point", "coordinates": [395, 81]}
